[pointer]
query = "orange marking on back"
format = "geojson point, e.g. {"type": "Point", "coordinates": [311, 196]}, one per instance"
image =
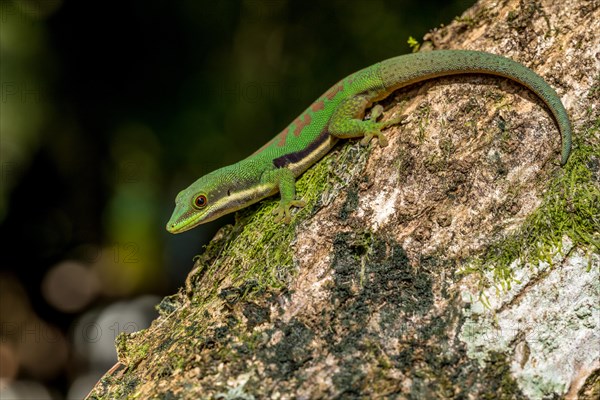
{"type": "Point", "coordinates": [305, 121]}
{"type": "Point", "coordinates": [330, 94]}
{"type": "Point", "coordinates": [283, 137]}
{"type": "Point", "coordinates": [317, 106]}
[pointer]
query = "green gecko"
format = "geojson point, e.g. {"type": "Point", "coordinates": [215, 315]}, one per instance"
{"type": "Point", "coordinates": [338, 114]}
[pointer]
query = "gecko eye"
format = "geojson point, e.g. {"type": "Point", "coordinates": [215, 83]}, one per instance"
{"type": "Point", "coordinates": [200, 201]}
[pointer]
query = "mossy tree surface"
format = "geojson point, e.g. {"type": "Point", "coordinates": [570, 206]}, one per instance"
{"type": "Point", "coordinates": [458, 262]}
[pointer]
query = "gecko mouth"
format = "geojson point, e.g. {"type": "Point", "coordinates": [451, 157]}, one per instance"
{"type": "Point", "coordinates": [181, 223]}
{"type": "Point", "coordinates": [175, 228]}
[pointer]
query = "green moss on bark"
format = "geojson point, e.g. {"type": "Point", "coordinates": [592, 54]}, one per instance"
{"type": "Point", "coordinates": [570, 208]}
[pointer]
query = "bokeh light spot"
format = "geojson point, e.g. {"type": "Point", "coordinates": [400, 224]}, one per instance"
{"type": "Point", "coordinates": [70, 286]}
{"type": "Point", "coordinates": [9, 364]}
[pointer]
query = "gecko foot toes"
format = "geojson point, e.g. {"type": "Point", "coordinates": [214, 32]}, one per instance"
{"type": "Point", "coordinates": [396, 120]}
{"type": "Point", "coordinates": [374, 128]}
{"type": "Point", "coordinates": [283, 212]}
{"type": "Point", "coordinates": [370, 135]}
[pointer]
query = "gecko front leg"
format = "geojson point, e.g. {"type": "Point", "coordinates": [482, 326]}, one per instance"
{"type": "Point", "coordinates": [285, 180]}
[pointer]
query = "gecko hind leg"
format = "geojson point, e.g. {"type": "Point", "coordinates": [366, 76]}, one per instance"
{"type": "Point", "coordinates": [346, 122]}
{"type": "Point", "coordinates": [377, 127]}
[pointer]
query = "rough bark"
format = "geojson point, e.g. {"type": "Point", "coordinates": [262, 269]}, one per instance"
{"type": "Point", "coordinates": [458, 262]}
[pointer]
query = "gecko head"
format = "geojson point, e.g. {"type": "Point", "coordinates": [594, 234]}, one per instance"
{"type": "Point", "coordinates": [199, 203]}
{"type": "Point", "coordinates": [210, 197]}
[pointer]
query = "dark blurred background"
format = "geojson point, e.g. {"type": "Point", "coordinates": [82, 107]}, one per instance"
{"type": "Point", "coordinates": [107, 110]}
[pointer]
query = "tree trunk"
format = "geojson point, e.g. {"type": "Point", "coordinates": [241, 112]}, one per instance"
{"type": "Point", "coordinates": [460, 261]}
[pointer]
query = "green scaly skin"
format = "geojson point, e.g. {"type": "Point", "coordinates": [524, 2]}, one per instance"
{"type": "Point", "coordinates": [338, 114]}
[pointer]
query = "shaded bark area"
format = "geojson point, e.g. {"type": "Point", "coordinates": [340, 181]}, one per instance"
{"type": "Point", "coordinates": [396, 280]}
